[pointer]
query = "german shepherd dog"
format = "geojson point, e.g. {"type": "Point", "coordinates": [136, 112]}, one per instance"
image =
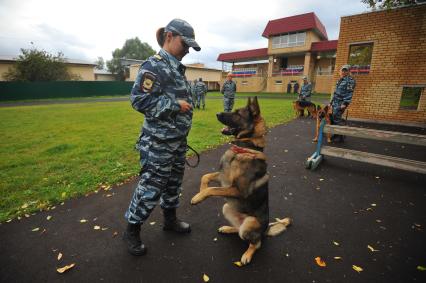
{"type": "Point", "coordinates": [323, 113]}
{"type": "Point", "coordinates": [244, 180]}
{"type": "Point", "coordinates": [300, 106]}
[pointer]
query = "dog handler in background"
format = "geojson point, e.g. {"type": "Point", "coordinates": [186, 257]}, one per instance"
{"type": "Point", "coordinates": [305, 90]}
{"type": "Point", "coordinates": [342, 97]}
{"type": "Point", "coordinates": [228, 90]}
{"type": "Point", "coordinates": [162, 93]}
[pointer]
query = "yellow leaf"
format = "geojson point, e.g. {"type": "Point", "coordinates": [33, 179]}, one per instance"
{"type": "Point", "coordinates": [49, 217]}
{"type": "Point", "coordinates": [64, 194]}
{"type": "Point", "coordinates": [104, 228]}
{"type": "Point", "coordinates": [152, 223]}
{"type": "Point", "coordinates": [421, 268]}
{"type": "Point", "coordinates": [96, 227]}
{"type": "Point", "coordinates": [83, 221]}
{"type": "Point", "coordinates": [35, 229]}
{"type": "Point", "coordinates": [337, 257]}
{"type": "Point", "coordinates": [372, 249]}
{"type": "Point", "coordinates": [206, 278]}
{"type": "Point", "coordinates": [373, 204]}
{"type": "Point", "coordinates": [320, 262]}
{"type": "Point", "coordinates": [238, 263]}
{"type": "Point", "coordinates": [65, 268]}
{"type": "Point", "coordinates": [336, 243]}
{"type": "Point", "coordinates": [115, 234]}
{"type": "Point", "coordinates": [357, 268]}
{"type": "Point", "coordinates": [25, 205]}
{"type": "Point", "coordinates": [59, 256]}
{"type": "Point", "coordinates": [214, 239]}
{"type": "Point", "coordinates": [321, 179]}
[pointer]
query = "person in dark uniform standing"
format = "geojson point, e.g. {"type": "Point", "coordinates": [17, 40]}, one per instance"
{"type": "Point", "coordinates": [228, 90]}
{"type": "Point", "coordinates": [162, 93]}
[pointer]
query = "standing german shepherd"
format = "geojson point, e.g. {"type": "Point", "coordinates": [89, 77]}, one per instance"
{"type": "Point", "coordinates": [244, 179]}
{"type": "Point", "coordinates": [300, 106]}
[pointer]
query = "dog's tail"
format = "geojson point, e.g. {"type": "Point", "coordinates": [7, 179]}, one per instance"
{"type": "Point", "coordinates": [276, 228]}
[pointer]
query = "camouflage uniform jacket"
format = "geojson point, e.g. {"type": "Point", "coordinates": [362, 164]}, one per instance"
{"type": "Point", "coordinates": [229, 88]}
{"type": "Point", "coordinates": [200, 88]}
{"type": "Point", "coordinates": [344, 91]}
{"type": "Point", "coordinates": [160, 83]}
{"type": "Point", "coordinates": [305, 91]}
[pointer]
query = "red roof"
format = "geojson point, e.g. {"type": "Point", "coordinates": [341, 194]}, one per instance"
{"type": "Point", "coordinates": [295, 23]}
{"type": "Point", "coordinates": [324, 46]}
{"type": "Point", "coordinates": [253, 54]}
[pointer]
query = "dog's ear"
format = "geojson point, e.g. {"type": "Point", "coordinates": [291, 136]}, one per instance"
{"type": "Point", "coordinates": [254, 107]}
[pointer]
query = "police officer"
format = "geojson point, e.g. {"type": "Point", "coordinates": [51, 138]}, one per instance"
{"type": "Point", "coordinates": [305, 90]}
{"type": "Point", "coordinates": [162, 93]}
{"type": "Point", "coordinates": [342, 97]}
{"type": "Point", "coordinates": [200, 92]}
{"type": "Point", "coordinates": [228, 90]}
{"type": "Point", "coordinates": [193, 94]}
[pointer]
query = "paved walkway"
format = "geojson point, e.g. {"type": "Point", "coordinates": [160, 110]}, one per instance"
{"type": "Point", "coordinates": [338, 211]}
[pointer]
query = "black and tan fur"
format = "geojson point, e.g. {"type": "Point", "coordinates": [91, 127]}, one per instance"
{"type": "Point", "coordinates": [323, 113]}
{"type": "Point", "coordinates": [243, 179]}
{"type": "Point", "coordinates": [300, 106]}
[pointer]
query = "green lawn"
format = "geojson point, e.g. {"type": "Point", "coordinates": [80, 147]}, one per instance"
{"type": "Point", "coordinates": [50, 153]}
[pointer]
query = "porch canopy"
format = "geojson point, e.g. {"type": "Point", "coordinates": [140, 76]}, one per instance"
{"type": "Point", "coordinates": [244, 56]}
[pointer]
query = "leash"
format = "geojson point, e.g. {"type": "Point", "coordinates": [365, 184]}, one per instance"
{"type": "Point", "coordinates": [319, 143]}
{"type": "Point", "coordinates": [196, 153]}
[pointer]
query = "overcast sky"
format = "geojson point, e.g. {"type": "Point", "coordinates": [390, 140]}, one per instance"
{"type": "Point", "coordinates": [87, 29]}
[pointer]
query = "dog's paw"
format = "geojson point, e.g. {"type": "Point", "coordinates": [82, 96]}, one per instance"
{"type": "Point", "coordinates": [197, 198]}
{"type": "Point", "coordinates": [246, 258]}
{"type": "Point", "coordinates": [227, 230]}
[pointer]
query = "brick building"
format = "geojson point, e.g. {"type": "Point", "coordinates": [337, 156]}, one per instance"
{"type": "Point", "coordinates": [387, 50]}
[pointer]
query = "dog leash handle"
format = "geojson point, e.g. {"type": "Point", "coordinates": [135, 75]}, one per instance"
{"type": "Point", "coordinates": [196, 153]}
{"type": "Point", "coordinates": [321, 132]}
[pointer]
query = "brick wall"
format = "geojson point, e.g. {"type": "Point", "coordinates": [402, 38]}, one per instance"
{"type": "Point", "coordinates": [398, 59]}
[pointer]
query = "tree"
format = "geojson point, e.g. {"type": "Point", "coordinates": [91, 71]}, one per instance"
{"type": "Point", "coordinates": [387, 4]}
{"type": "Point", "coordinates": [132, 49]}
{"type": "Point", "coordinates": [38, 65]}
{"type": "Point", "coordinates": [100, 63]}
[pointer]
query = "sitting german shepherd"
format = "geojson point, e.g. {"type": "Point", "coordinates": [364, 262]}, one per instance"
{"type": "Point", "coordinates": [244, 179]}
{"type": "Point", "coordinates": [323, 113]}
{"type": "Point", "coordinates": [300, 106]}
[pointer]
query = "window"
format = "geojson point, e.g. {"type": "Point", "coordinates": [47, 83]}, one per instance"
{"type": "Point", "coordinates": [289, 40]}
{"type": "Point", "coordinates": [410, 97]}
{"type": "Point", "coordinates": [244, 82]}
{"type": "Point", "coordinates": [360, 57]}
{"type": "Point", "coordinates": [278, 82]}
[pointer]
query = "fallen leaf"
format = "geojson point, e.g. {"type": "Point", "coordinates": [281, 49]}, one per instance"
{"type": "Point", "coordinates": [377, 177]}
{"type": "Point", "coordinates": [417, 225]}
{"type": "Point", "coordinates": [373, 204]}
{"type": "Point", "coordinates": [337, 257]}
{"type": "Point", "coordinates": [378, 221]}
{"type": "Point", "coordinates": [83, 221]}
{"type": "Point", "coordinates": [421, 268]}
{"type": "Point", "coordinates": [9, 220]}
{"type": "Point", "coordinates": [115, 234]}
{"type": "Point", "coordinates": [285, 150]}
{"type": "Point", "coordinates": [104, 228]}
{"type": "Point", "coordinates": [238, 263]}
{"type": "Point", "coordinates": [35, 229]}
{"type": "Point", "coordinates": [336, 243]}
{"type": "Point", "coordinates": [357, 268]}
{"type": "Point", "coordinates": [59, 256]}
{"type": "Point", "coordinates": [214, 239]}
{"type": "Point", "coordinates": [372, 249]}
{"type": "Point", "coordinates": [96, 227]}
{"type": "Point", "coordinates": [321, 179]}
{"type": "Point", "coordinates": [65, 268]}
{"type": "Point", "coordinates": [109, 195]}
{"type": "Point", "coordinates": [48, 217]}
{"type": "Point", "coordinates": [320, 262]}
{"type": "Point", "coordinates": [25, 205]}
{"type": "Point", "coordinates": [206, 278]}
{"type": "Point", "coordinates": [63, 195]}
{"type": "Point", "coordinates": [152, 223]}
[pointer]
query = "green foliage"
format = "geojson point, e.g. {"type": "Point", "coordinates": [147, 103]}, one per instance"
{"type": "Point", "coordinates": [51, 153]}
{"type": "Point", "coordinates": [38, 65]}
{"type": "Point", "coordinates": [100, 63]}
{"type": "Point", "coordinates": [132, 49]}
{"type": "Point", "coordinates": [388, 4]}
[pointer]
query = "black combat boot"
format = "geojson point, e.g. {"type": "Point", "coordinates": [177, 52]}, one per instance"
{"type": "Point", "coordinates": [172, 223]}
{"type": "Point", "coordinates": [133, 240]}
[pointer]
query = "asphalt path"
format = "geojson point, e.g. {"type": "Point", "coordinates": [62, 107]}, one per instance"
{"type": "Point", "coordinates": [347, 213]}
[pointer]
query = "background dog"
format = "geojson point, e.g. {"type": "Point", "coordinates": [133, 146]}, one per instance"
{"type": "Point", "coordinates": [323, 113]}
{"type": "Point", "coordinates": [300, 106]}
{"type": "Point", "coordinates": [244, 179]}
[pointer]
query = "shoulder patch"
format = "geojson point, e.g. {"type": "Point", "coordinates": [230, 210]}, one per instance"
{"type": "Point", "coordinates": [147, 81]}
{"type": "Point", "coordinates": [158, 57]}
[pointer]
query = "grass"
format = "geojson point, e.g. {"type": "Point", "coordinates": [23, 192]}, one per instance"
{"type": "Point", "coordinates": [50, 153]}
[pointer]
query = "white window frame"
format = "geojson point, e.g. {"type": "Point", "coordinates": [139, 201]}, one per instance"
{"type": "Point", "coordinates": [289, 40]}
